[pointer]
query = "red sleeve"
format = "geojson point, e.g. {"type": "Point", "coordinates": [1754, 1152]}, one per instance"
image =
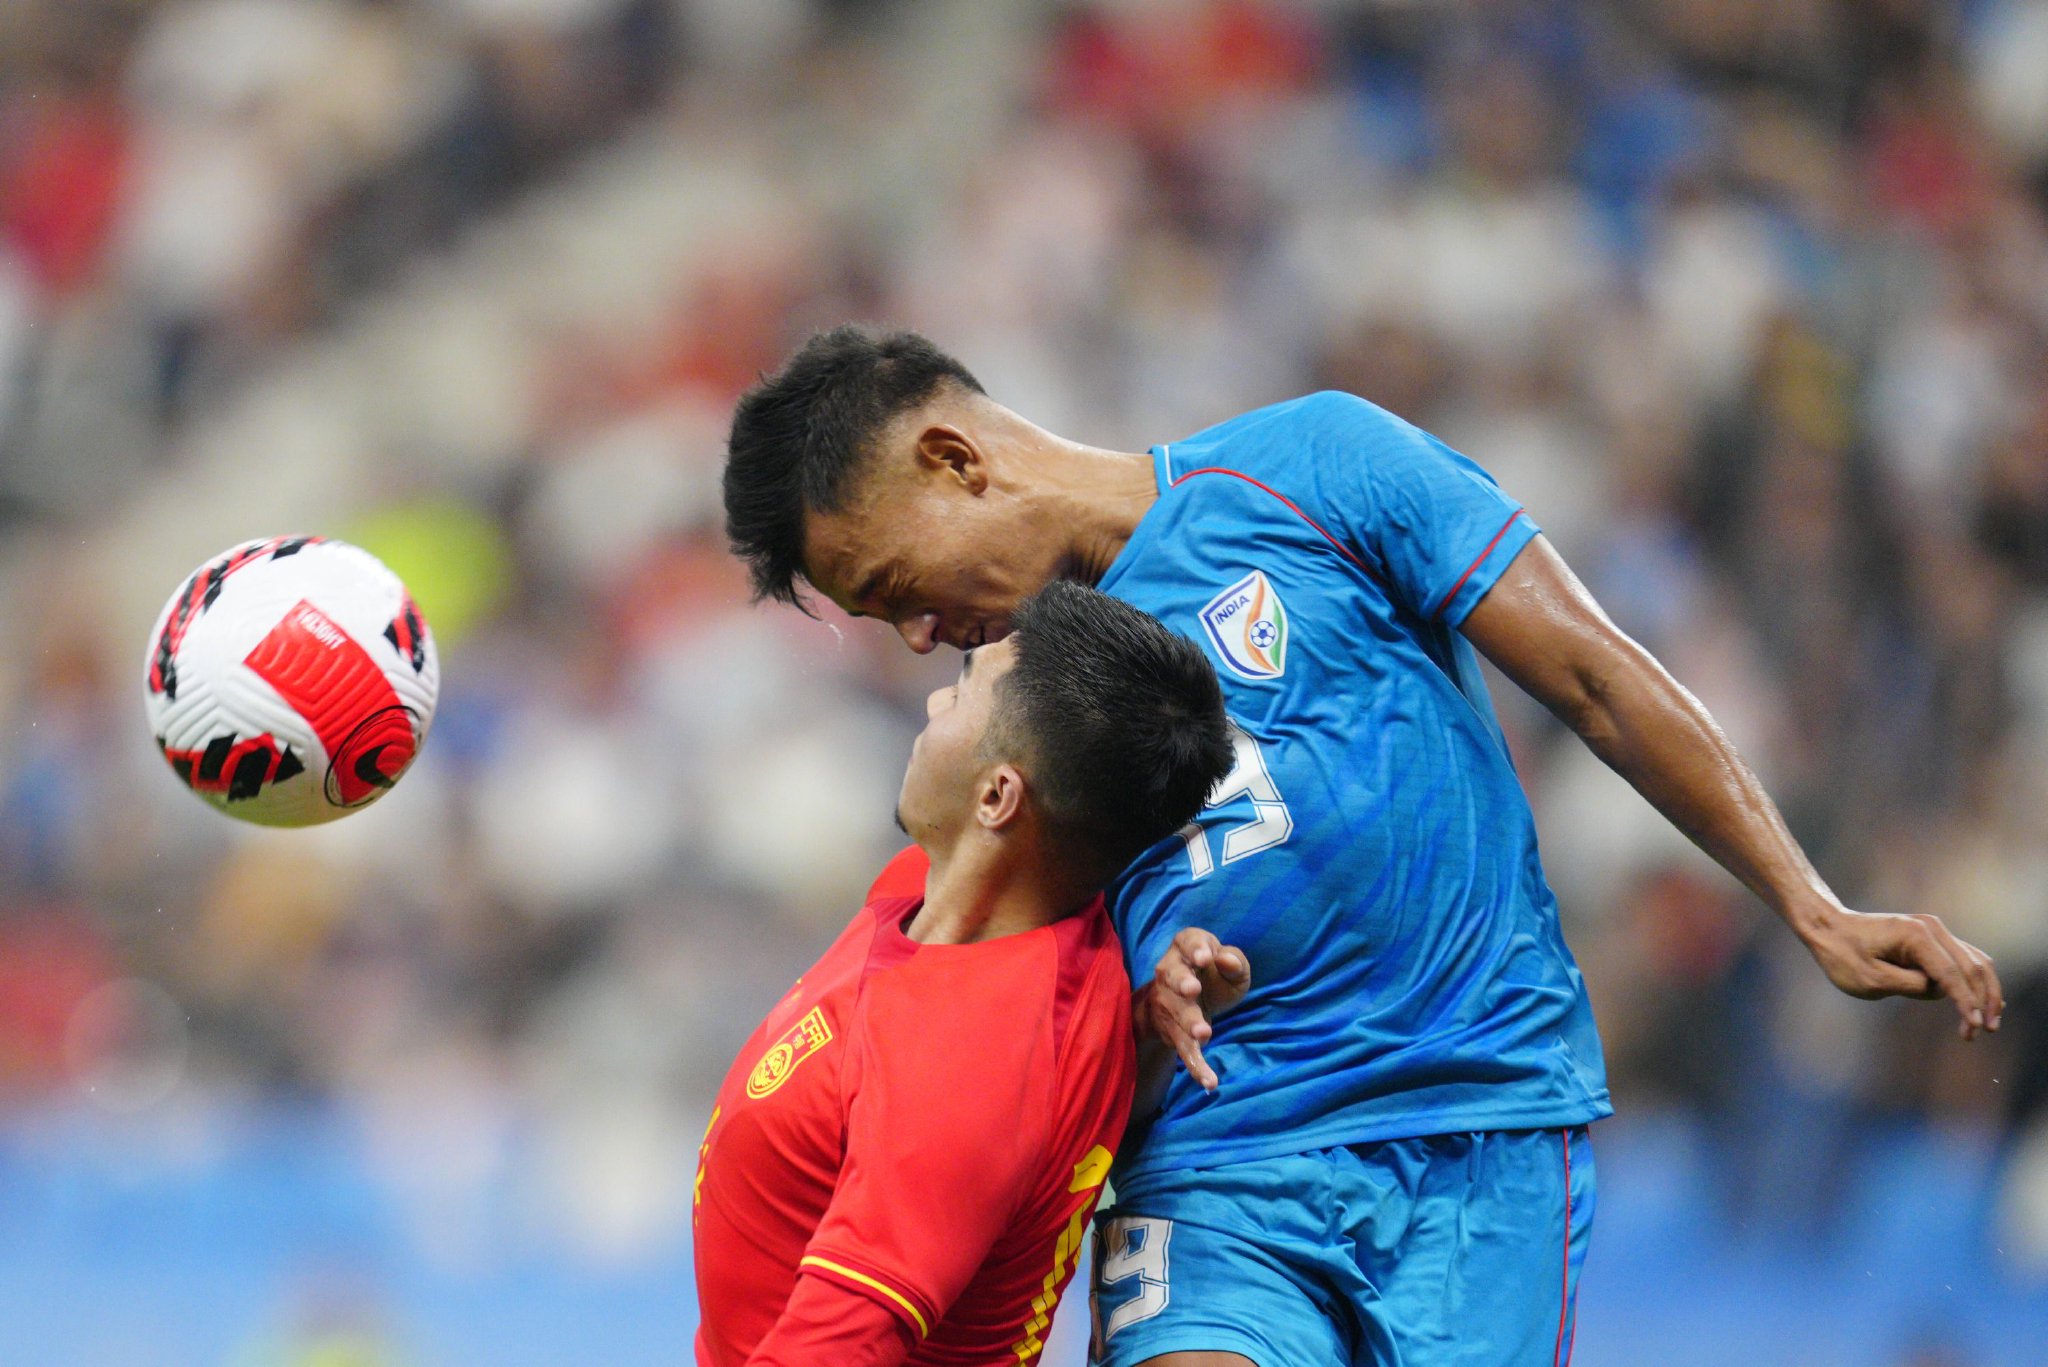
{"type": "Point", "coordinates": [903, 876]}
{"type": "Point", "coordinates": [825, 1322]}
{"type": "Point", "coordinates": [945, 1134]}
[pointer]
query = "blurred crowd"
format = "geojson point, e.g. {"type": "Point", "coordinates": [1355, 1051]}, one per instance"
{"type": "Point", "coordinates": [1746, 299]}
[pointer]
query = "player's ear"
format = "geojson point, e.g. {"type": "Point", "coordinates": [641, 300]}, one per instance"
{"type": "Point", "coordinates": [946, 450]}
{"type": "Point", "coordinates": [1000, 802]}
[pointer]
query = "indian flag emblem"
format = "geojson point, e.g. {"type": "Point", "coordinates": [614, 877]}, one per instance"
{"type": "Point", "coordinates": [1247, 623]}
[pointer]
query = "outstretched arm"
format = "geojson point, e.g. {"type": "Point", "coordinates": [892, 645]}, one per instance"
{"type": "Point", "coordinates": [1544, 631]}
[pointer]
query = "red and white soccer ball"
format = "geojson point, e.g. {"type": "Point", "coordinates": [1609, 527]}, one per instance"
{"type": "Point", "coordinates": [291, 681]}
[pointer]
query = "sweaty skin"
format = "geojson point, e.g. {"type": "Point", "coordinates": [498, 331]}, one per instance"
{"type": "Point", "coordinates": [1543, 630]}
{"type": "Point", "coordinates": [970, 507]}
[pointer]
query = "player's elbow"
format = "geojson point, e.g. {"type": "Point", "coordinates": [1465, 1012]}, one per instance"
{"type": "Point", "coordinates": [1589, 703]}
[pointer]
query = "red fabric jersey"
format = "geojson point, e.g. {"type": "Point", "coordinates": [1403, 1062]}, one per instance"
{"type": "Point", "coordinates": [926, 1125]}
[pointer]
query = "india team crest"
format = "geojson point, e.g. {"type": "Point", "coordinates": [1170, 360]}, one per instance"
{"type": "Point", "coordinates": [798, 1043]}
{"type": "Point", "coordinates": [1247, 623]}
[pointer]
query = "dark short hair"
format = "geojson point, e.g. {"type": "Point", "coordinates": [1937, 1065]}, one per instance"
{"type": "Point", "coordinates": [1116, 720]}
{"type": "Point", "coordinates": [800, 435]}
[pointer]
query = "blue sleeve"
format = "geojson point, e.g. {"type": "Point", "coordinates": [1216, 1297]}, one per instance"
{"type": "Point", "coordinates": [1427, 520]}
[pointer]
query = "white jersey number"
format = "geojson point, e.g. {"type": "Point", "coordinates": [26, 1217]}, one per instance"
{"type": "Point", "coordinates": [1269, 825]}
{"type": "Point", "coordinates": [1131, 1246]}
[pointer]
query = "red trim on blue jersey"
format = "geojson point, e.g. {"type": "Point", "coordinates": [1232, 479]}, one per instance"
{"type": "Point", "coordinates": [1335, 544]}
{"type": "Point", "coordinates": [1476, 564]}
{"type": "Point", "coordinates": [1561, 1356]}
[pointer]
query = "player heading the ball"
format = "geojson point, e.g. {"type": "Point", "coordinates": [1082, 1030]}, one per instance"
{"type": "Point", "coordinates": [905, 1156]}
{"type": "Point", "coordinates": [1394, 1167]}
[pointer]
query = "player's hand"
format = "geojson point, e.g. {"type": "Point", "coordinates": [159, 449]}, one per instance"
{"type": "Point", "coordinates": [1198, 979]}
{"type": "Point", "coordinates": [1872, 954]}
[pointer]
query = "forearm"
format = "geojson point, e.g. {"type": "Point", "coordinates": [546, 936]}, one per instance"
{"type": "Point", "coordinates": [1659, 737]}
{"type": "Point", "coordinates": [1546, 633]}
{"type": "Point", "coordinates": [828, 1325]}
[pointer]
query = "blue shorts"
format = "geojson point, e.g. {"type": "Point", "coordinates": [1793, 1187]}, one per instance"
{"type": "Point", "coordinates": [1457, 1250]}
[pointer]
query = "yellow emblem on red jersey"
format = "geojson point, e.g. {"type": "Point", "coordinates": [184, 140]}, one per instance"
{"type": "Point", "coordinates": [798, 1043]}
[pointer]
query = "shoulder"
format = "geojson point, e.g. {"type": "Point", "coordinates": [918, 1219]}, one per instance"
{"type": "Point", "coordinates": [1328, 410]}
{"type": "Point", "coordinates": [902, 876]}
{"type": "Point", "coordinates": [1017, 994]}
{"type": "Point", "coordinates": [1090, 983]}
{"type": "Point", "coordinates": [849, 951]}
{"type": "Point", "coordinates": [951, 1022]}
{"type": "Point", "coordinates": [1349, 421]}
{"type": "Point", "coordinates": [1282, 442]}
{"type": "Point", "coordinates": [1087, 947]}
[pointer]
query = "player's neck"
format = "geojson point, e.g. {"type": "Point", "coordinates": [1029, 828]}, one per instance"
{"type": "Point", "coordinates": [1102, 495]}
{"type": "Point", "coordinates": [976, 894]}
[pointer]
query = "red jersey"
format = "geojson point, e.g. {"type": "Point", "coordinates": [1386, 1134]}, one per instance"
{"type": "Point", "coordinates": [926, 1125]}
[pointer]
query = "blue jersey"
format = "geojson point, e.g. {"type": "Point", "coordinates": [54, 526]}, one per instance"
{"type": "Point", "coordinates": [1371, 851]}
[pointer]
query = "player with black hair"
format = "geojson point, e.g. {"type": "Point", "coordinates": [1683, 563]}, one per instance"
{"type": "Point", "coordinates": [904, 1157]}
{"type": "Point", "coordinates": [1395, 1170]}
{"type": "Point", "coordinates": [826, 403]}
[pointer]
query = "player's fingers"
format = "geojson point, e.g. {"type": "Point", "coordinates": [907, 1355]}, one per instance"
{"type": "Point", "coordinates": [1996, 988]}
{"type": "Point", "coordinates": [1198, 1067]}
{"type": "Point", "coordinates": [1225, 982]}
{"type": "Point", "coordinates": [1963, 986]}
{"type": "Point", "coordinates": [1977, 978]}
{"type": "Point", "coordinates": [1927, 944]}
{"type": "Point", "coordinates": [1883, 978]}
{"type": "Point", "coordinates": [1984, 973]}
{"type": "Point", "coordinates": [1175, 976]}
{"type": "Point", "coordinates": [1197, 946]}
{"type": "Point", "coordinates": [1178, 1018]}
{"type": "Point", "coordinates": [1185, 1037]}
{"type": "Point", "coordinates": [1188, 1037]}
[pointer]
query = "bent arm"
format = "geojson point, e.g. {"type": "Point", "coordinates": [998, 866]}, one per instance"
{"type": "Point", "coordinates": [1544, 631]}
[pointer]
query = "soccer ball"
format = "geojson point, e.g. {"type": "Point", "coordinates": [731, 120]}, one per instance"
{"type": "Point", "coordinates": [291, 681]}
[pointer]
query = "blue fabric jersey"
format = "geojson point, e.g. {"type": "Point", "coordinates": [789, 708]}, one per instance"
{"type": "Point", "coordinates": [1372, 850]}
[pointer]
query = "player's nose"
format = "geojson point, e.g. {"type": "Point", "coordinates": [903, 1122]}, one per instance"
{"type": "Point", "coordinates": [932, 701]}
{"type": "Point", "coordinates": [920, 633]}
